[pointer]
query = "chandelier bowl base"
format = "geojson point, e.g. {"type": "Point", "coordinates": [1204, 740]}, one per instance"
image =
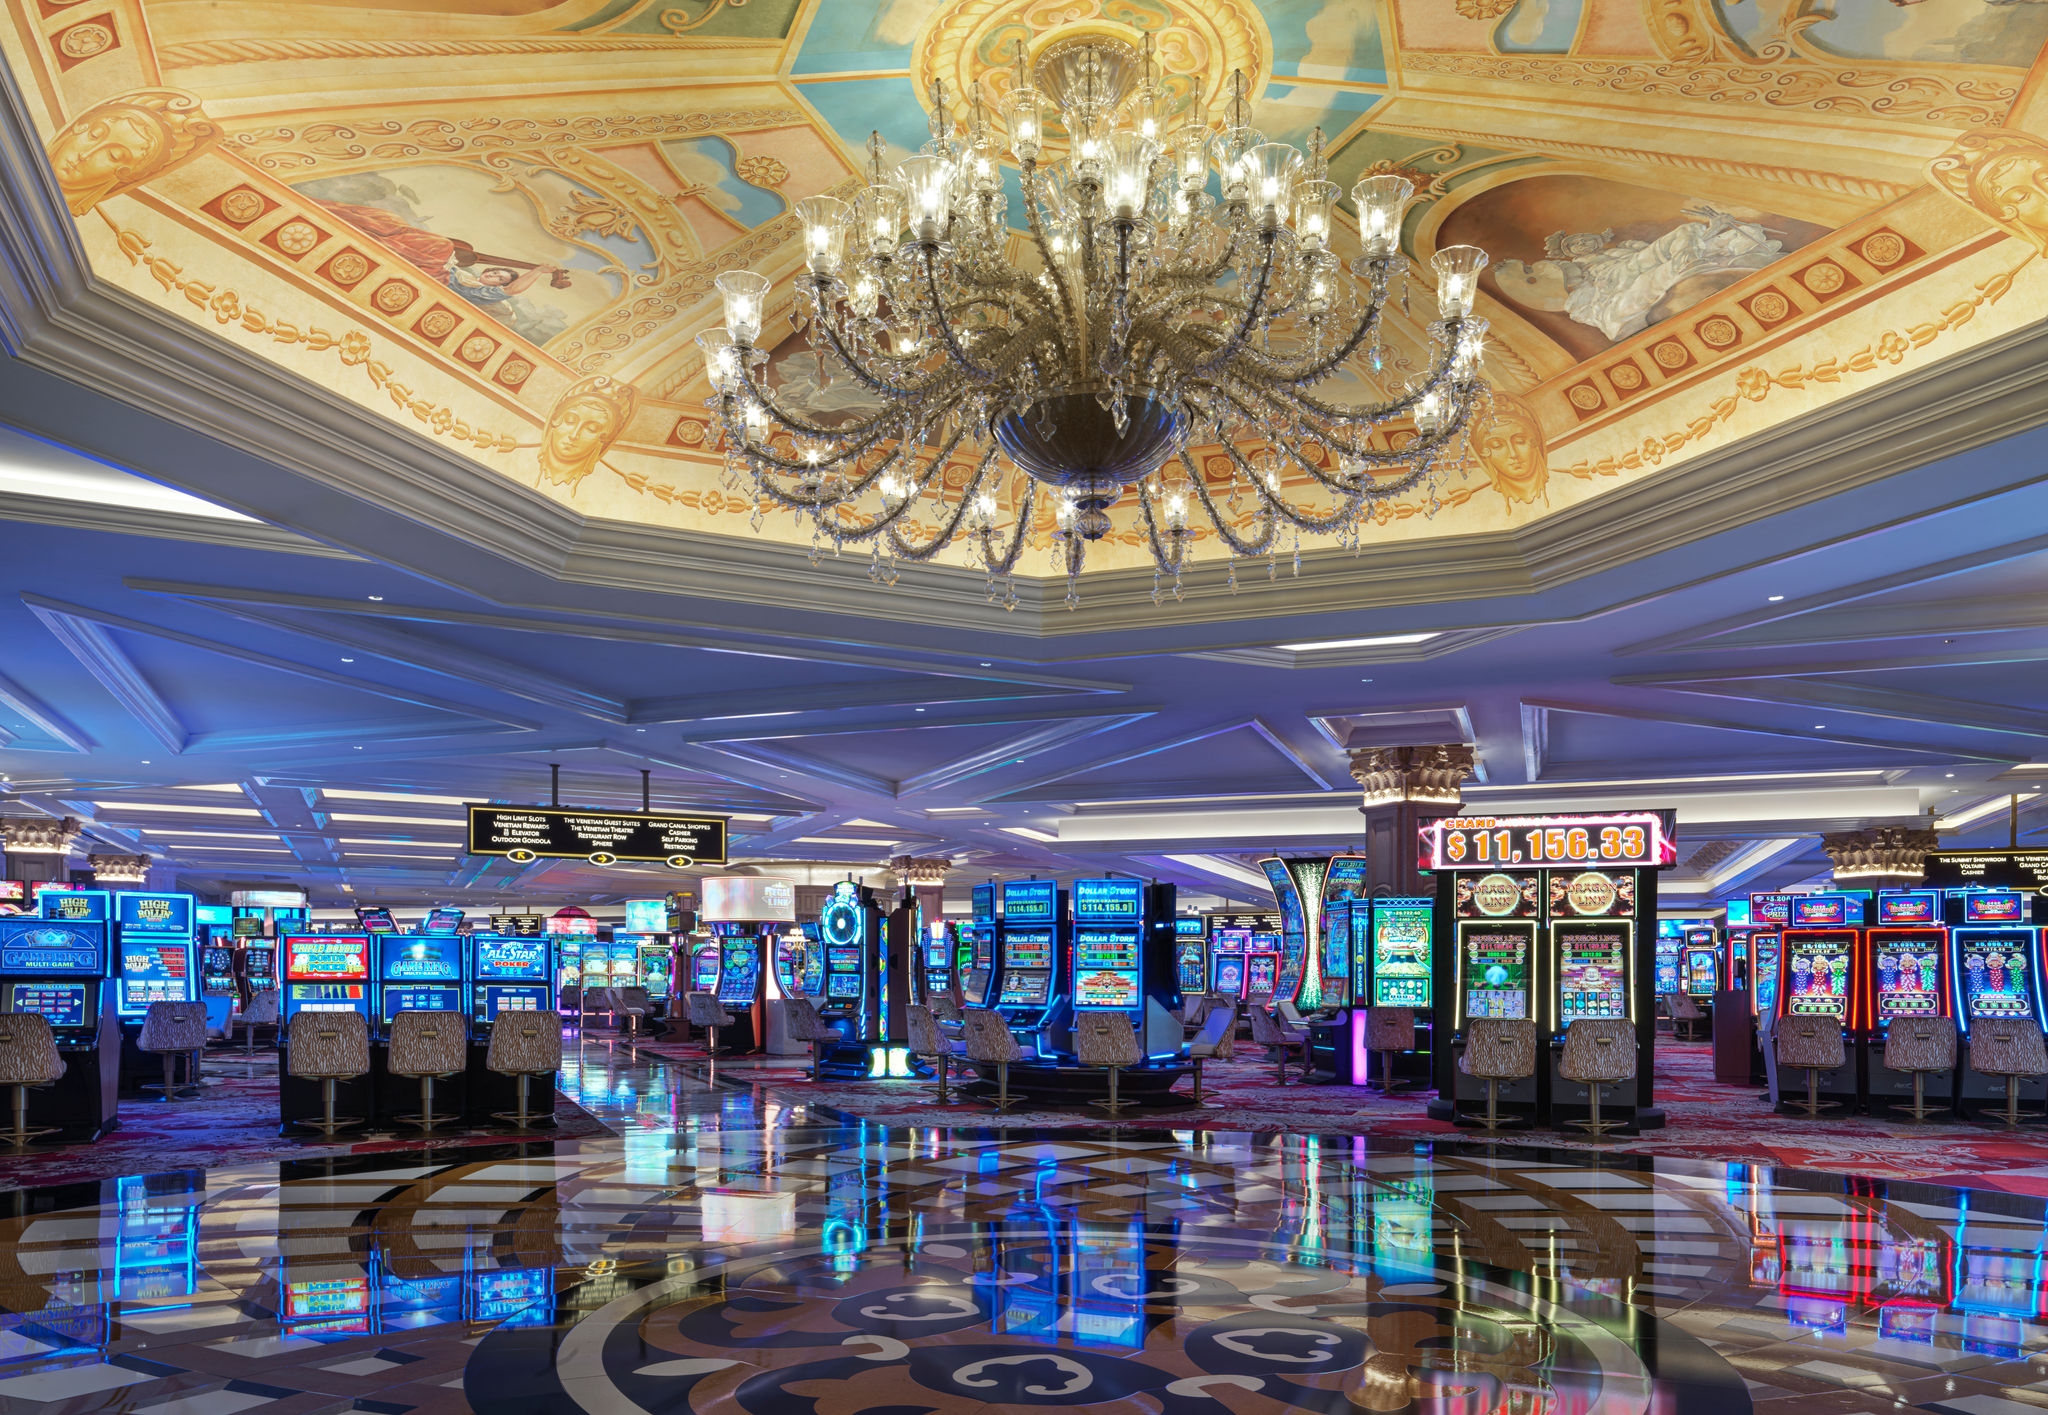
{"type": "Point", "coordinates": [1071, 443]}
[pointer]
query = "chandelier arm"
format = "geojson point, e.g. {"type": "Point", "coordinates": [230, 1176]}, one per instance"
{"type": "Point", "coordinates": [1209, 274]}
{"type": "Point", "coordinates": [797, 501]}
{"type": "Point", "coordinates": [888, 517]}
{"type": "Point", "coordinates": [865, 432]}
{"type": "Point", "coordinates": [736, 433]}
{"type": "Point", "coordinates": [1035, 221]}
{"type": "Point", "coordinates": [1318, 370]}
{"type": "Point", "coordinates": [906, 550]}
{"type": "Point", "coordinates": [1327, 437]}
{"type": "Point", "coordinates": [1277, 505]}
{"type": "Point", "coordinates": [1006, 562]}
{"type": "Point", "coordinates": [1168, 563]}
{"type": "Point", "coordinates": [1260, 546]}
{"type": "Point", "coordinates": [957, 354]}
{"type": "Point", "coordinates": [861, 373]}
{"type": "Point", "coordinates": [1439, 375]}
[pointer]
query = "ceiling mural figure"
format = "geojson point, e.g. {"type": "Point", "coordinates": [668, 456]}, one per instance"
{"type": "Point", "coordinates": [2002, 175]}
{"type": "Point", "coordinates": [126, 141]}
{"type": "Point", "coordinates": [584, 423]}
{"type": "Point", "coordinates": [1511, 451]}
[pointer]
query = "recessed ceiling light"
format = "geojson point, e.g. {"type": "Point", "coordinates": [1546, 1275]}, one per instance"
{"type": "Point", "coordinates": [155, 806]}
{"type": "Point", "coordinates": [988, 665]}
{"type": "Point", "coordinates": [1950, 775]}
{"type": "Point", "coordinates": [1376, 641]}
{"type": "Point", "coordinates": [376, 599]}
{"type": "Point", "coordinates": [146, 762]}
{"type": "Point", "coordinates": [1820, 727]}
{"type": "Point", "coordinates": [410, 798]}
{"type": "Point", "coordinates": [920, 709]}
{"type": "Point", "coordinates": [1029, 834]}
{"type": "Point", "coordinates": [1365, 680]}
{"type": "Point", "coordinates": [1776, 597]}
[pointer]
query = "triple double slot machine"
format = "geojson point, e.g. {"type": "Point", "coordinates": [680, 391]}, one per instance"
{"type": "Point", "coordinates": [61, 967]}
{"type": "Point", "coordinates": [1549, 919]}
{"type": "Point", "coordinates": [326, 973]}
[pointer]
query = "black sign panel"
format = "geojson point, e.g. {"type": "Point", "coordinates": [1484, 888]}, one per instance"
{"type": "Point", "coordinates": [1996, 869]}
{"type": "Point", "coordinates": [523, 833]}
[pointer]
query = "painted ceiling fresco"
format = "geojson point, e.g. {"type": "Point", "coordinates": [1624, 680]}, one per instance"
{"type": "Point", "coordinates": [498, 221]}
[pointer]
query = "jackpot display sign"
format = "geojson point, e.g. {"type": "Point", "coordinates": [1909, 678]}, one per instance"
{"type": "Point", "coordinates": [1400, 963]}
{"type": "Point", "coordinates": [1770, 910]}
{"type": "Point", "coordinates": [1493, 968]}
{"type": "Point", "coordinates": [1816, 972]}
{"type": "Point", "coordinates": [1825, 911]}
{"type": "Point", "coordinates": [1994, 906]}
{"type": "Point", "coordinates": [522, 834]}
{"type": "Point", "coordinates": [47, 946]}
{"type": "Point", "coordinates": [1109, 901]}
{"type": "Point", "coordinates": [1909, 909]}
{"type": "Point", "coordinates": [1592, 970]}
{"type": "Point", "coordinates": [1635, 839]}
{"type": "Point", "coordinates": [1030, 901]}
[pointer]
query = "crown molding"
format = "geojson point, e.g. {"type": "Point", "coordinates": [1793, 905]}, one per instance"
{"type": "Point", "coordinates": [116, 371]}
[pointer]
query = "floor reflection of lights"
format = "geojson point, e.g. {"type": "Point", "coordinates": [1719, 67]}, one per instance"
{"type": "Point", "coordinates": [733, 1251]}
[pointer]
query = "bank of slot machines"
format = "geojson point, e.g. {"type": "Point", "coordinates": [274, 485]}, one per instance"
{"type": "Point", "coordinates": [325, 973]}
{"type": "Point", "coordinates": [1028, 934]}
{"type": "Point", "coordinates": [509, 973]}
{"type": "Point", "coordinates": [1190, 955]}
{"type": "Point", "coordinates": [419, 972]}
{"type": "Point", "coordinates": [1997, 956]}
{"type": "Point", "coordinates": [62, 968]}
{"type": "Point", "coordinates": [159, 952]}
{"type": "Point", "coordinates": [1550, 919]}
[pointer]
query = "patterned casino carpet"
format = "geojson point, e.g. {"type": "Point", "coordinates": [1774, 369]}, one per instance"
{"type": "Point", "coordinates": [1706, 1120]}
{"type": "Point", "coordinates": [233, 1123]}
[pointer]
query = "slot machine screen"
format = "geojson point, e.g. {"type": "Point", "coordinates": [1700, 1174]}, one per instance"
{"type": "Point", "coordinates": [262, 965]}
{"type": "Point", "coordinates": [442, 921]}
{"type": "Point", "coordinates": [1227, 975]}
{"type": "Point", "coordinates": [1030, 901]}
{"type": "Point", "coordinates": [704, 967]}
{"type": "Point", "coordinates": [153, 972]}
{"type": "Point", "coordinates": [507, 960]}
{"type": "Point", "coordinates": [1702, 969]}
{"type": "Point", "coordinates": [1028, 950]}
{"type": "Point", "coordinates": [1493, 967]}
{"type": "Point", "coordinates": [1336, 942]}
{"type": "Point", "coordinates": [1592, 970]}
{"type": "Point", "coordinates": [984, 903]}
{"type": "Point", "coordinates": [739, 972]}
{"type": "Point", "coordinates": [421, 958]}
{"type": "Point", "coordinates": [153, 913]}
{"type": "Point", "coordinates": [73, 906]}
{"type": "Point", "coordinates": [1109, 901]}
{"type": "Point", "coordinates": [1764, 984]}
{"type": "Point", "coordinates": [313, 958]}
{"type": "Point", "coordinates": [1909, 980]}
{"type": "Point", "coordinates": [376, 921]}
{"type": "Point", "coordinates": [219, 962]}
{"type": "Point", "coordinates": [1024, 989]}
{"type": "Point", "coordinates": [62, 1003]}
{"type": "Point", "coordinates": [493, 998]}
{"type": "Point", "coordinates": [1994, 906]}
{"type": "Point", "coordinates": [1188, 961]}
{"type": "Point", "coordinates": [1667, 960]}
{"type": "Point", "coordinates": [1823, 911]}
{"type": "Point", "coordinates": [32, 945]}
{"type": "Point", "coordinates": [842, 985]}
{"type": "Point", "coordinates": [248, 926]}
{"type": "Point", "coordinates": [1105, 969]}
{"type": "Point", "coordinates": [1770, 910]}
{"type": "Point", "coordinates": [1995, 980]}
{"type": "Point", "coordinates": [1401, 954]}
{"type": "Point", "coordinates": [1816, 972]}
{"type": "Point", "coordinates": [1261, 971]}
{"type": "Point", "coordinates": [420, 999]}
{"type": "Point", "coordinates": [1921, 907]}
{"type": "Point", "coordinates": [327, 997]}
{"type": "Point", "coordinates": [843, 960]}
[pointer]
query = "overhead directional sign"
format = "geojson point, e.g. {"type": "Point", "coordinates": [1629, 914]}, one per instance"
{"type": "Point", "coordinates": [522, 833]}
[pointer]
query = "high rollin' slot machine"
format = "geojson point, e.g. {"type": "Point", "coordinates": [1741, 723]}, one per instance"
{"type": "Point", "coordinates": [1818, 976]}
{"type": "Point", "coordinates": [61, 968]}
{"type": "Point", "coordinates": [1549, 919]}
{"type": "Point", "coordinates": [1905, 975]}
{"type": "Point", "coordinates": [158, 949]}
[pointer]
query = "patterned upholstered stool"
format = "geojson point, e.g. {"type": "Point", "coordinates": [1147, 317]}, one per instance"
{"type": "Point", "coordinates": [1498, 1049]}
{"type": "Point", "coordinates": [927, 1041]}
{"type": "Point", "coordinates": [1920, 1045]}
{"type": "Point", "coordinates": [702, 1010]}
{"type": "Point", "coordinates": [525, 1045]}
{"type": "Point", "coordinates": [946, 1010]}
{"type": "Point", "coordinates": [634, 1005]}
{"type": "Point", "coordinates": [175, 1029]}
{"type": "Point", "coordinates": [2012, 1050]}
{"type": "Point", "coordinates": [800, 1017]}
{"type": "Point", "coordinates": [329, 1047]}
{"type": "Point", "coordinates": [261, 1012]}
{"type": "Point", "coordinates": [1686, 1017]}
{"type": "Point", "coordinates": [1814, 1045]}
{"type": "Point", "coordinates": [28, 1058]}
{"type": "Point", "coordinates": [1108, 1040]}
{"type": "Point", "coordinates": [1598, 1051]}
{"type": "Point", "coordinates": [429, 1046]}
{"type": "Point", "coordinates": [1195, 1011]}
{"type": "Point", "coordinates": [1389, 1031]}
{"type": "Point", "coordinates": [1278, 1041]}
{"type": "Point", "coordinates": [989, 1042]}
{"type": "Point", "coordinates": [1217, 1041]}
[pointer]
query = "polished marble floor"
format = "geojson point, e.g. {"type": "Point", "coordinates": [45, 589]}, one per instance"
{"type": "Point", "coordinates": [736, 1250]}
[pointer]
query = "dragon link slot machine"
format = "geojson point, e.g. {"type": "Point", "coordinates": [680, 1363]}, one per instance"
{"type": "Point", "coordinates": [1550, 919]}
{"type": "Point", "coordinates": [60, 967]}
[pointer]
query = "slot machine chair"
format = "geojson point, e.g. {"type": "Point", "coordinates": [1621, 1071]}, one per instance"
{"type": "Point", "coordinates": [803, 1024]}
{"type": "Point", "coordinates": [702, 1009]}
{"type": "Point", "coordinates": [1108, 1040]}
{"type": "Point", "coordinates": [989, 1043]}
{"type": "Point", "coordinates": [525, 1045]}
{"type": "Point", "coordinates": [1813, 1045]}
{"type": "Point", "coordinates": [329, 1047]}
{"type": "Point", "coordinates": [1921, 1045]}
{"type": "Point", "coordinates": [931, 1044]}
{"type": "Point", "coordinates": [28, 1060]}
{"type": "Point", "coordinates": [1686, 1018]}
{"type": "Point", "coordinates": [1389, 1031]}
{"type": "Point", "coordinates": [172, 1030]}
{"type": "Point", "coordinates": [1498, 1049]}
{"type": "Point", "coordinates": [1598, 1051]}
{"type": "Point", "coordinates": [428, 1047]}
{"type": "Point", "coordinates": [1217, 1041]}
{"type": "Point", "coordinates": [1195, 1011]}
{"type": "Point", "coordinates": [2014, 1051]}
{"type": "Point", "coordinates": [261, 1011]}
{"type": "Point", "coordinates": [1278, 1041]}
{"type": "Point", "coordinates": [634, 1005]}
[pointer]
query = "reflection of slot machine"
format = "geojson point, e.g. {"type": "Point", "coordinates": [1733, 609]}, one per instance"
{"type": "Point", "coordinates": [61, 969]}
{"type": "Point", "coordinates": [1190, 955]}
{"type": "Point", "coordinates": [418, 973]}
{"type": "Point", "coordinates": [1995, 968]}
{"type": "Point", "coordinates": [326, 973]}
{"type": "Point", "coordinates": [1905, 962]}
{"type": "Point", "coordinates": [156, 1244]}
{"type": "Point", "coordinates": [1998, 1283]}
{"type": "Point", "coordinates": [510, 974]}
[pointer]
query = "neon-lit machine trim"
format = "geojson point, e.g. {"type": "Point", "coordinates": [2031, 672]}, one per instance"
{"type": "Point", "coordinates": [510, 974]}
{"type": "Point", "coordinates": [418, 973]}
{"type": "Point", "coordinates": [1109, 944]}
{"type": "Point", "coordinates": [159, 955]}
{"type": "Point", "coordinates": [326, 973]}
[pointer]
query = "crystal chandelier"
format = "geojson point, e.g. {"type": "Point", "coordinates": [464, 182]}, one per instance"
{"type": "Point", "coordinates": [1177, 288]}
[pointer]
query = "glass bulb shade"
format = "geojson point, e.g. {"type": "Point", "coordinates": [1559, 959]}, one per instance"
{"type": "Point", "coordinates": [983, 167]}
{"type": "Point", "coordinates": [824, 221]}
{"type": "Point", "coordinates": [927, 183]}
{"type": "Point", "coordinates": [1313, 202]}
{"type": "Point", "coordinates": [1470, 350]}
{"type": "Point", "coordinates": [757, 420]}
{"type": "Point", "coordinates": [1024, 116]}
{"type": "Point", "coordinates": [1432, 413]}
{"type": "Point", "coordinates": [1381, 201]}
{"type": "Point", "coordinates": [880, 217]}
{"type": "Point", "coordinates": [1189, 154]}
{"type": "Point", "coordinates": [1457, 279]}
{"type": "Point", "coordinates": [1128, 178]}
{"type": "Point", "coordinates": [745, 295]}
{"type": "Point", "coordinates": [1268, 172]}
{"type": "Point", "coordinates": [721, 360]}
{"type": "Point", "coordinates": [1176, 513]}
{"type": "Point", "coordinates": [864, 293]}
{"type": "Point", "coordinates": [1091, 146]}
{"type": "Point", "coordinates": [984, 511]}
{"type": "Point", "coordinates": [1063, 510]}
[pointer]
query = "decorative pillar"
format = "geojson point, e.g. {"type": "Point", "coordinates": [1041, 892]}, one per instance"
{"type": "Point", "coordinates": [119, 869]}
{"type": "Point", "coordinates": [923, 879]}
{"type": "Point", "coordinates": [1881, 857]}
{"type": "Point", "coordinates": [1404, 788]}
{"type": "Point", "coordinates": [39, 836]}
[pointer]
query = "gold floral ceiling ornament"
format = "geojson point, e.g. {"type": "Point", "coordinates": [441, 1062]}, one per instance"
{"type": "Point", "coordinates": [1148, 317]}
{"type": "Point", "coordinates": [120, 144]}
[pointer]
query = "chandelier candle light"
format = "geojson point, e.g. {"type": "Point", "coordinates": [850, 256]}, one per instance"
{"type": "Point", "coordinates": [1178, 289]}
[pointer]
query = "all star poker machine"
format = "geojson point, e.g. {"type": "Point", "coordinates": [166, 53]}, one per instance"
{"type": "Point", "coordinates": [1549, 918]}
